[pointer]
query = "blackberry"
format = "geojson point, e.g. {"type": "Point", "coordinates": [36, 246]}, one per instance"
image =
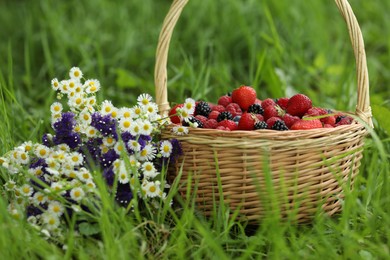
{"type": "Point", "coordinates": [280, 126]}
{"type": "Point", "coordinates": [193, 120]}
{"type": "Point", "coordinates": [237, 119]}
{"type": "Point", "coordinates": [203, 108]}
{"type": "Point", "coordinates": [256, 109]}
{"type": "Point", "coordinates": [224, 115]}
{"type": "Point", "coordinates": [229, 94]}
{"type": "Point", "coordinates": [261, 125]}
{"type": "Point", "coordinates": [338, 118]}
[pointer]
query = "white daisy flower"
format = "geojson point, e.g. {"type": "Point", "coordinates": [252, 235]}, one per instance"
{"type": "Point", "coordinates": [134, 162]}
{"type": "Point", "coordinates": [75, 73]}
{"type": "Point", "coordinates": [146, 127]}
{"type": "Point", "coordinates": [85, 117]}
{"type": "Point", "coordinates": [125, 112]}
{"type": "Point", "coordinates": [63, 147]}
{"type": "Point", "coordinates": [57, 187]}
{"type": "Point", "coordinates": [134, 145]}
{"type": "Point", "coordinates": [28, 146]}
{"type": "Point", "coordinates": [37, 171]}
{"type": "Point", "coordinates": [55, 84]}
{"type": "Point", "coordinates": [76, 158]}
{"type": "Point", "coordinates": [64, 88]}
{"type": "Point", "coordinates": [107, 107]}
{"type": "Point", "coordinates": [189, 106]}
{"type": "Point", "coordinates": [151, 108]}
{"type": "Point", "coordinates": [109, 141]}
{"type": "Point", "coordinates": [115, 112]}
{"type": "Point", "coordinates": [42, 151]}
{"type": "Point", "coordinates": [56, 208]}
{"type": "Point", "coordinates": [53, 163]}
{"type": "Point", "coordinates": [4, 162]}
{"type": "Point", "coordinates": [125, 124]}
{"type": "Point", "coordinates": [119, 148]}
{"type": "Point", "coordinates": [91, 102]}
{"type": "Point", "coordinates": [152, 189]}
{"type": "Point", "coordinates": [148, 153]}
{"type": "Point", "coordinates": [123, 177]}
{"type": "Point", "coordinates": [26, 190]}
{"type": "Point", "coordinates": [55, 118]}
{"type": "Point", "coordinates": [77, 193]}
{"type": "Point", "coordinates": [90, 184]}
{"type": "Point", "coordinates": [56, 108]}
{"type": "Point", "coordinates": [77, 101]}
{"type": "Point", "coordinates": [180, 130]}
{"type": "Point", "coordinates": [137, 111]}
{"type": "Point", "coordinates": [39, 198]}
{"type": "Point", "coordinates": [91, 132]}
{"type": "Point", "coordinates": [135, 128]}
{"type": "Point", "coordinates": [184, 114]}
{"type": "Point", "coordinates": [166, 148]}
{"type": "Point", "coordinates": [23, 158]}
{"type": "Point", "coordinates": [84, 175]}
{"type": "Point", "coordinates": [72, 84]}
{"type": "Point", "coordinates": [92, 86]}
{"type": "Point", "coordinates": [50, 220]}
{"type": "Point", "coordinates": [149, 170]}
{"type": "Point", "coordinates": [10, 185]}
{"type": "Point", "coordinates": [144, 99]}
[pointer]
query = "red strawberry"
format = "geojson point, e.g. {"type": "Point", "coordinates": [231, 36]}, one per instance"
{"type": "Point", "coordinates": [218, 108]}
{"type": "Point", "coordinates": [328, 126]}
{"type": "Point", "coordinates": [244, 96]}
{"type": "Point", "coordinates": [228, 124]}
{"type": "Point", "coordinates": [214, 114]}
{"type": "Point", "coordinates": [282, 102]}
{"type": "Point", "coordinates": [172, 114]}
{"type": "Point", "coordinates": [306, 124]}
{"type": "Point", "coordinates": [289, 119]}
{"type": "Point", "coordinates": [271, 121]}
{"type": "Point", "coordinates": [247, 122]}
{"type": "Point", "coordinates": [201, 118]}
{"type": "Point", "coordinates": [210, 123]}
{"type": "Point", "coordinates": [298, 105]}
{"type": "Point", "coordinates": [234, 109]}
{"type": "Point", "coordinates": [267, 102]}
{"type": "Point", "coordinates": [224, 100]}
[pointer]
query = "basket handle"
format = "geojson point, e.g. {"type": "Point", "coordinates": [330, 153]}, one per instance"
{"type": "Point", "coordinates": [363, 109]}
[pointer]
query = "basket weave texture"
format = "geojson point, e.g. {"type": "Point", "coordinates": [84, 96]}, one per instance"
{"type": "Point", "coordinates": [307, 170]}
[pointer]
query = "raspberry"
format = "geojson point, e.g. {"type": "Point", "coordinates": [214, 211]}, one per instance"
{"type": "Point", "coordinates": [214, 115]}
{"type": "Point", "coordinates": [261, 125]}
{"type": "Point", "coordinates": [228, 124]}
{"type": "Point", "coordinates": [256, 109]}
{"type": "Point", "coordinates": [271, 121]}
{"type": "Point", "coordinates": [224, 115]}
{"type": "Point", "coordinates": [218, 108]}
{"type": "Point", "coordinates": [267, 102]}
{"type": "Point", "coordinates": [194, 121]}
{"type": "Point", "coordinates": [210, 124]}
{"type": "Point", "coordinates": [224, 100]}
{"type": "Point", "coordinates": [202, 108]}
{"type": "Point", "coordinates": [330, 120]}
{"type": "Point", "coordinates": [280, 126]}
{"type": "Point", "coordinates": [201, 118]}
{"type": "Point", "coordinates": [289, 120]}
{"type": "Point", "coordinates": [234, 109]}
{"type": "Point", "coordinates": [222, 128]}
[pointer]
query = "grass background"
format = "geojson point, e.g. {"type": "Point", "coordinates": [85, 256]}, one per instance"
{"type": "Point", "coordinates": [279, 47]}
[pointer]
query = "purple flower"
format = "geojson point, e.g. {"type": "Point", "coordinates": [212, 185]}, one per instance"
{"type": "Point", "coordinates": [176, 150]}
{"type": "Point", "coordinates": [46, 140]}
{"type": "Point", "coordinates": [65, 125]}
{"type": "Point", "coordinates": [109, 175]}
{"type": "Point", "coordinates": [108, 158]}
{"type": "Point", "coordinates": [37, 163]}
{"type": "Point", "coordinates": [124, 194]}
{"type": "Point", "coordinates": [71, 139]}
{"type": "Point", "coordinates": [91, 151]}
{"type": "Point", "coordinates": [106, 125]}
{"type": "Point", "coordinates": [126, 136]}
{"type": "Point", "coordinates": [33, 211]}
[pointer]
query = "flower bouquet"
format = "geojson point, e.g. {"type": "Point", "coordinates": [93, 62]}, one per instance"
{"type": "Point", "coordinates": [46, 183]}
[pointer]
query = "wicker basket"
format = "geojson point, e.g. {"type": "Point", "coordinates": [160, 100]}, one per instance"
{"type": "Point", "coordinates": [299, 171]}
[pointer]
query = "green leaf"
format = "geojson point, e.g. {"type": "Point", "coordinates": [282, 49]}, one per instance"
{"type": "Point", "coordinates": [88, 229]}
{"type": "Point", "coordinates": [382, 115]}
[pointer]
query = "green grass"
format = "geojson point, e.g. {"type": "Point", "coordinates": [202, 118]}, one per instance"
{"type": "Point", "coordinates": [279, 47]}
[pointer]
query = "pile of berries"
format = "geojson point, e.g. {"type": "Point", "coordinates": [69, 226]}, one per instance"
{"type": "Point", "coordinates": [242, 110]}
